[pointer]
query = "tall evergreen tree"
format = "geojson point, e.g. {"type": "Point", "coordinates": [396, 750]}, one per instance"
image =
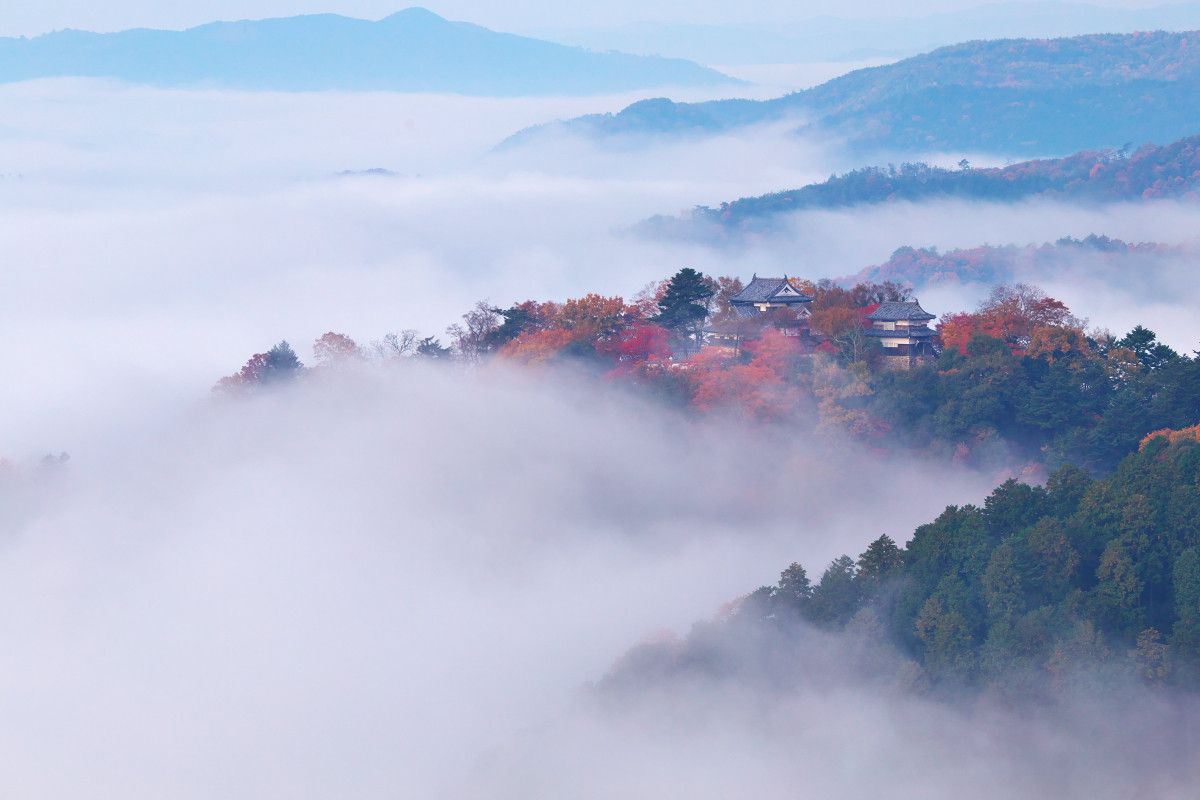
{"type": "Point", "coordinates": [881, 561]}
{"type": "Point", "coordinates": [1149, 350]}
{"type": "Point", "coordinates": [281, 364]}
{"type": "Point", "coordinates": [683, 307]}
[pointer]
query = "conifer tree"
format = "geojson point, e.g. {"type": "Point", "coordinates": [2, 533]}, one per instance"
{"type": "Point", "coordinates": [683, 308]}
{"type": "Point", "coordinates": [281, 364]}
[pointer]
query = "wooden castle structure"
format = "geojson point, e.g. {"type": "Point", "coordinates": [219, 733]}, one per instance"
{"type": "Point", "coordinates": [903, 330]}
{"type": "Point", "coordinates": [763, 294]}
{"type": "Point", "coordinates": [765, 301]}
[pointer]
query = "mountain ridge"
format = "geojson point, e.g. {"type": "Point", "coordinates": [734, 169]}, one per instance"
{"type": "Point", "coordinates": [1170, 172]}
{"type": "Point", "coordinates": [410, 50]}
{"type": "Point", "coordinates": [1023, 97]}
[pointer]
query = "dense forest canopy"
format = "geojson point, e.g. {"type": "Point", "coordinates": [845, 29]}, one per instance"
{"type": "Point", "coordinates": [1041, 587]}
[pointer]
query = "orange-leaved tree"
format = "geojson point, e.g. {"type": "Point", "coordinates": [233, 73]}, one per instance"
{"type": "Point", "coordinates": [1010, 313]}
{"type": "Point", "coordinates": [1054, 343]}
{"type": "Point", "coordinates": [760, 390]}
{"type": "Point", "coordinates": [834, 321]}
{"type": "Point", "coordinates": [776, 352]}
{"type": "Point", "coordinates": [579, 327]}
{"type": "Point", "coordinates": [594, 316]}
{"type": "Point", "coordinates": [335, 349]}
{"type": "Point", "coordinates": [538, 347]}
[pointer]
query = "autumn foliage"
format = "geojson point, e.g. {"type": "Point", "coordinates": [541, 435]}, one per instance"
{"type": "Point", "coordinates": [1013, 314]}
{"type": "Point", "coordinates": [335, 349]}
{"type": "Point", "coordinates": [1152, 171]}
{"type": "Point", "coordinates": [1017, 381]}
{"type": "Point", "coordinates": [1190, 434]}
{"type": "Point", "coordinates": [641, 341]}
{"type": "Point", "coordinates": [764, 389]}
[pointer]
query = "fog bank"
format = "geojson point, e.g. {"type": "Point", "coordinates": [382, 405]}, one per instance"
{"type": "Point", "coordinates": [156, 239]}
{"type": "Point", "coordinates": [716, 739]}
{"type": "Point", "coordinates": [361, 586]}
{"type": "Point", "coordinates": [832, 243]}
{"type": "Point", "coordinates": [372, 586]}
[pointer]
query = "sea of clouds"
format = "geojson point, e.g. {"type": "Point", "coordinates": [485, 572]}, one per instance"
{"type": "Point", "coordinates": [361, 586]}
{"type": "Point", "coordinates": [365, 586]}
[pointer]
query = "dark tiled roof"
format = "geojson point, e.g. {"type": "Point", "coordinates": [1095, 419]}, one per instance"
{"type": "Point", "coordinates": [902, 333]}
{"type": "Point", "coordinates": [763, 290]}
{"type": "Point", "coordinates": [895, 312]}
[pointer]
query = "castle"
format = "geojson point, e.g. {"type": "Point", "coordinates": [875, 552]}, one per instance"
{"type": "Point", "coordinates": [903, 330]}
{"type": "Point", "coordinates": [901, 327]}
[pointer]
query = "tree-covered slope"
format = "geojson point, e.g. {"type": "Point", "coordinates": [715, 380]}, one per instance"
{"type": "Point", "coordinates": [1112, 261]}
{"type": "Point", "coordinates": [412, 50]}
{"type": "Point", "coordinates": [1170, 171]}
{"type": "Point", "coordinates": [1012, 96]}
{"type": "Point", "coordinates": [1038, 586]}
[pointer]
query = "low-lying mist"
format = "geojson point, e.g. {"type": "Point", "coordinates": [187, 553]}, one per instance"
{"type": "Point", "coordinates": [717, 738]}
{"type": "Point", "coordinates": [154, 239]}
{"type": "Point", "coordinates": [360, 585]}
{"type": "Point", "coordinates": [395, 583]}
{"type": "Point", "coordinates": [1159, 293]}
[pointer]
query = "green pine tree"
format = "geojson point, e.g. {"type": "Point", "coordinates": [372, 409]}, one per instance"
{"type": "Point", "coordinates": [683, 307]}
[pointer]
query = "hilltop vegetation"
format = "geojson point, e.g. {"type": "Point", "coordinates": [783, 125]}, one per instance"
{"type": "Point", "coordinates": [1094, 575]}
{"type": "Point", "coordinates": [1019, 385]}
{"type": "Point", "coordinates": [1112, 260]}
{"type": "Point", "coordinates": [1151, 172]}
{"type": "Point", "coordinates": [1010, 96]}
{"type": "Point", "coordinates": [1039, 588]}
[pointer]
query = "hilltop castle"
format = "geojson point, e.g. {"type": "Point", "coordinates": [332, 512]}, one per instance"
{"type": "Point", "coordinates": [902, 328]}
{"type": "Point", "coordinates": [767, 293]}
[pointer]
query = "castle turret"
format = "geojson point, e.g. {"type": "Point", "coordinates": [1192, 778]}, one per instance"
{"type": "Point", "coordinates": [903, 330]}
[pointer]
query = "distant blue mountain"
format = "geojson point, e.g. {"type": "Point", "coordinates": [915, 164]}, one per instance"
{"type": "Point", "coordinates": [411, 51]}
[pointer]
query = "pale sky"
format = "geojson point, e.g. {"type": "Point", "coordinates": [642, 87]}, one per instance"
{"type": "Point", "coordinates": [19, 17]}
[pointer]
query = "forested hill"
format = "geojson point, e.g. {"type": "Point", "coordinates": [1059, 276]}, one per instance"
{"type": "Point", "coordinates": [1170, 171]}
{"type": "Point", "coordinates": [1012, 96]}
{"type": "Point", "coordinates": [1039, 587]}
{"type": "Point", "coordinates": [1112, 261]}
{"type": "Point", "coordinates": [412, 50]}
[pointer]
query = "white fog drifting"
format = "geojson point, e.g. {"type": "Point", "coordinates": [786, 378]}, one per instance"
{"type": "Point", "coordinates": [361, 587]}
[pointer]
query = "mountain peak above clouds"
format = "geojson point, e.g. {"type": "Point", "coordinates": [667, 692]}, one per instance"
{"type": "Point", "coordinates": [413, 50]}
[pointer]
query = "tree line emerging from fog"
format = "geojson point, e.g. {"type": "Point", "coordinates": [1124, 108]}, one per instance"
{"type": "Point", "coordinates": [1109, 175]}
{"type": "Point", "coordinates": [1019, 383]}
{"type": "Point", "coordinates": [1042, 588]}
{"type": "Point", "coordinates": [1109, 260]}
{"type": "Point", "coordinates": [1095, 573]}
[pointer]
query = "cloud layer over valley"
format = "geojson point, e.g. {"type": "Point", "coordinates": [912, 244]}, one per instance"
{"type": "Point", "coordinates": [360, 586]}
{"type": "Point", "coordinates": [155, 239]}
{"type": "Point", "coordinates": [394, 582]}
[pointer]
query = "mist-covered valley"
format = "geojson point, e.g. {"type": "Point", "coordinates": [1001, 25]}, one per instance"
{"type": "Point", "coordinates": [222, 222]}
{"type": "Point", "coordinates": [361, 586]}
{"type": "Point", "coordinates": [412, 578]}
